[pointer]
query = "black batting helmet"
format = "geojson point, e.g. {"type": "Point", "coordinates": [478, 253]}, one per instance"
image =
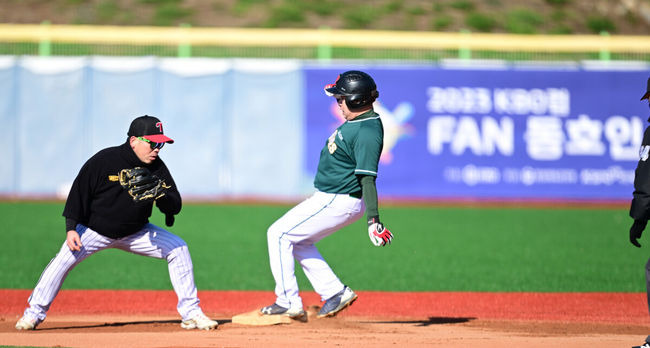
{"type": "Point", "coordinates": [358, 88]}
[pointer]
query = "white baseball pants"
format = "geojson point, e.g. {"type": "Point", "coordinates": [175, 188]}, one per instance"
{"type": "Point", "coordinates": [292, 237]}
{"type": "Point", "coordinates": [151, 241]}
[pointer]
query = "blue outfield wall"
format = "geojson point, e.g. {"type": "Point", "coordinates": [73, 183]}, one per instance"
{"type": "Point", "coordinates": [255, 128]}
{"type": "Point", "coordinates": [237, 124]}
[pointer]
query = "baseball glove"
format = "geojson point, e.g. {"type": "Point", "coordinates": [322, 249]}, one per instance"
{"type": "Point", "coordinates": [141, 184]}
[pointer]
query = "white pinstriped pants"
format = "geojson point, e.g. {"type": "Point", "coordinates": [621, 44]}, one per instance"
{"type": "Point", "coordinates": [151, 241]}
{"type": "Point", "coordinates": [292, 237]}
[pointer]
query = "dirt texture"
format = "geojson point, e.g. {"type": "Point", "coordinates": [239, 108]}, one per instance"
{"type": "Point", "coordinates": [105, 318]}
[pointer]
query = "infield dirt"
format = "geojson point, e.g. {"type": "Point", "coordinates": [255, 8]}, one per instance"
{"type": "Point", "coordinates": [104, 318]}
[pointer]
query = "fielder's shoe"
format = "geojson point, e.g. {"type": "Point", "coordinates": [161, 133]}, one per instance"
{"type": "Point", "coordinates": [26, 323]}
{"type": "Point", "coordinates": [200, 321]}
{"type": "Point", "coordinates": [646, 344]}
{"type": "Point", "coordinates": [337, 303]}
{"type": "Point", "coordinates": [276, 309]}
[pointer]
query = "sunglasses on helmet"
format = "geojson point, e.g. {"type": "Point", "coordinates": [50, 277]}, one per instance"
{"type": "Point", "coordinates": [152, 144]}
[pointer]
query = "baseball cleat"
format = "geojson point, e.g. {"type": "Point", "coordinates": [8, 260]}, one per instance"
{"type": "Point", "coordinates": [337, 303]}
{"type": "Point", "coordinates": [276, 309]}
{"type": "Point", "coordinates": [201, 322]}
{"type": "Point", "coordinates": [646, 344]}
{"type": "Point", "coordinates": [26, 323]}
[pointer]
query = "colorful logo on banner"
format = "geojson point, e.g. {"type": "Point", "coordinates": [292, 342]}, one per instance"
{"type": "Point", "coordinates": [395, 124]}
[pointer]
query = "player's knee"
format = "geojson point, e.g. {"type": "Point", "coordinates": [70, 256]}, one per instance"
{"type": "Point", "coordinates": [175, 245]}
{"type": "Point", "coordinates": [175, 241]}
{"type": "Point", "coordinates": [64, 263]}
{"type": "Point", "coordinates": [178, 252]}
{"type": "Point", "coordinates": [180, 242]}
{"type": "Point", "coordinates": [273, 233]}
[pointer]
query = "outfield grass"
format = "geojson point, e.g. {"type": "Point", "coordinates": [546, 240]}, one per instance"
{"type": "Point", "coordinates": [435, 249]}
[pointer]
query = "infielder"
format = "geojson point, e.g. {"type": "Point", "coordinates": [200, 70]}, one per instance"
{"type": "Point", "coordinates": [640, 207]}
{"type": "Point", "coordinates": [347, 170]}
{"type": "Point", "coordinates": [109, 206]}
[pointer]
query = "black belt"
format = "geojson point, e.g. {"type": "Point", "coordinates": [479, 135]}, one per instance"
{"type": "Point", "coordinates": [356, 194]}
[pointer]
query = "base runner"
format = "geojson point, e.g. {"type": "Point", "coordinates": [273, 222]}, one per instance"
{"type": "Point", "coordinates": [345, 183]}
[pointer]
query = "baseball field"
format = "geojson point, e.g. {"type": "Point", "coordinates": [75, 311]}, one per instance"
{"type": "Point", "coordinates": [455, 275]}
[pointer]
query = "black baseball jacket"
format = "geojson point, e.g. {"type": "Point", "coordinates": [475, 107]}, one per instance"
{"type": "Point", "coordinates": [640, 207]}
{"type": "Point", "coordinates": [97, 199]}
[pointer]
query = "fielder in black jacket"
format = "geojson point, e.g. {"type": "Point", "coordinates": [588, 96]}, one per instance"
{"type": "Point", "coordinates": [105, 210]}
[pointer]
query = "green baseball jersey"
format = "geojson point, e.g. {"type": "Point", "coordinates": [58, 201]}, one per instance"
{"type": "Point", "coordinates": [353, 149]}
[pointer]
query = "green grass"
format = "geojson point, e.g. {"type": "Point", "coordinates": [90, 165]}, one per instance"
{"type": "Point", "coordinates": [598, 24]}
{"type": "Point", "coordinates": [463, 5]}
{"type": "Point", "coordinates": [480, 22]}
{"type": "Point", "coordinates": [285, 15]}
{"type": "Point", "coordinates": [435, 249]}
{"type": "Point", "coordinates": [169, 13]}
{"type": "Point", "coordinates": [523, 21]}
{"type": "Point", "coordinates": [441, 22]}
{"type": "Point", "coordinates": [361, 17]}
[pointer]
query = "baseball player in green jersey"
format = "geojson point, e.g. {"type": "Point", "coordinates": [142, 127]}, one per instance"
{"type": "Point", "coordinates": [345, 187]}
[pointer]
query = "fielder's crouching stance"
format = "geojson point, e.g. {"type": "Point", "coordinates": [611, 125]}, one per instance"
{"type": "Point", "coordinates": [346, 172]}
{"type": "Point", "coordinates": [109, 206]}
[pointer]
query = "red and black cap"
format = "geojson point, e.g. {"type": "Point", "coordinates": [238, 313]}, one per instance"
{"type": "Point", "coordinates": [647, 93]}
{"type": "Point", "coordinates": [150, 128]}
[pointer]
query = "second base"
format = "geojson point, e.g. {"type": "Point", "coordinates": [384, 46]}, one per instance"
{"type": "Point", "coordinates": [258, 319]}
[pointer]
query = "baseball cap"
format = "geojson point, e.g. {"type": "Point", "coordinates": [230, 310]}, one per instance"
{"type": "Point", "coordinates": [150, 128]}
{"type": "Point", "coordinates": [647, 93]}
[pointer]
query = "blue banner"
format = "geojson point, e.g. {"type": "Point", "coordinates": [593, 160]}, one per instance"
{"type": "Point", "coordinates": [510, 133]}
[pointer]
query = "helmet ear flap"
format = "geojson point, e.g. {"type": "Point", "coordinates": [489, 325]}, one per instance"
{"type": "Point", "coordinates": [355, 101]}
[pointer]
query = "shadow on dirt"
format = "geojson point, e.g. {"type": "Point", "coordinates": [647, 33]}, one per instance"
{"type": "Point", "coordinates": [428, 322]}
{"type": "Point", "coordinates": [122, 324]}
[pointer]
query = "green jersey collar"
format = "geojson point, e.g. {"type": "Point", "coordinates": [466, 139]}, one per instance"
{"type": "Point", "coordinates": [366, 115]}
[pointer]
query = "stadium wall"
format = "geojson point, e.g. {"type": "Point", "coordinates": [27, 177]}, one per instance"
{"type": "Point", "coordinates": [253, 128]}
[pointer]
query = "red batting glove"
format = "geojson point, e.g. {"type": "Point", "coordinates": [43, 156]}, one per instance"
{"type": "Point", "coordinates": [379, 235]}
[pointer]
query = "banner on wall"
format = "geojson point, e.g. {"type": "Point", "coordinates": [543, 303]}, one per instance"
{"type": "Point", "coordinates": [451, 133]}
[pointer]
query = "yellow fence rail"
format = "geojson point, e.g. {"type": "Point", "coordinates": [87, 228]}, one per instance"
{"type": "Point", "coordinates": [184, 36]}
